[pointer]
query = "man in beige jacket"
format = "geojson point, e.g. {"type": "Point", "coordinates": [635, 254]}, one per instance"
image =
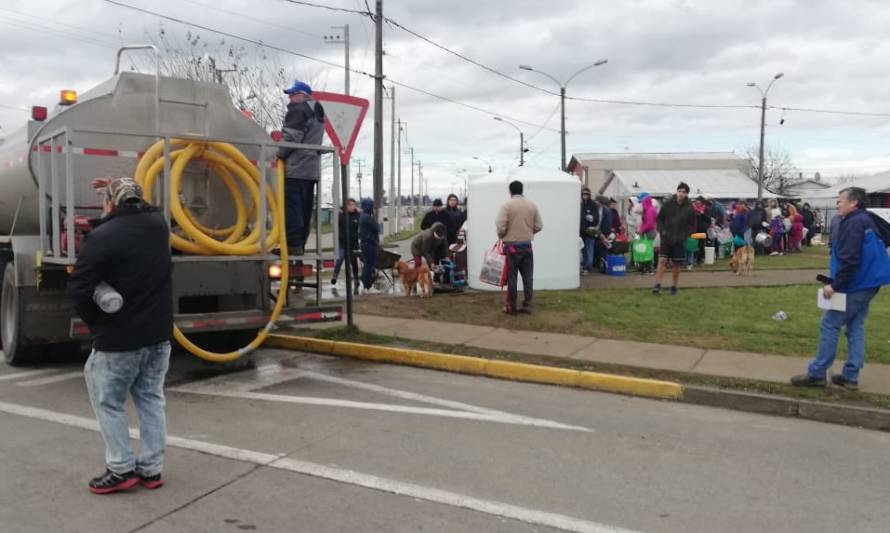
{"type": "Point", "coordinates": [516, 224]}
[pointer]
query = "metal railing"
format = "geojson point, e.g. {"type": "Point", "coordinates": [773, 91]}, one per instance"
{"type": "Point", "coordinates": [56, 150]}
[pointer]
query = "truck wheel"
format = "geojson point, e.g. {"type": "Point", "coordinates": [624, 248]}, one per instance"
{"type": "Point", "coordinates": [15, 350]}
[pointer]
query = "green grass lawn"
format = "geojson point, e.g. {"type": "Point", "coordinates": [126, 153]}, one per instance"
{"type": "Point", "coordinates": [404, 234]}
{"type": "Point", "coordinates": [812, 257]}
{"type": "Point", "coordinates": [731, 318]}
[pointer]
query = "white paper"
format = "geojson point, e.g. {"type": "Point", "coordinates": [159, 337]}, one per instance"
{"type": "Point", "coordinates": [838, 301]}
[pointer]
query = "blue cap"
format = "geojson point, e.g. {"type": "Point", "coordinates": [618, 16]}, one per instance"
{"type": "Point", "coordinates": [299, 87]}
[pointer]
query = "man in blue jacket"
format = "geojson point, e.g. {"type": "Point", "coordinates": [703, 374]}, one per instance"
{"type": "Point", "coordinates": [859, 266]}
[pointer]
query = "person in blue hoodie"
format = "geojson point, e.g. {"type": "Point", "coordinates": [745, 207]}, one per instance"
{"type": "Point", "coordinates": [369, 237]}
{"type": "Point", "coordinates": [859, 267]}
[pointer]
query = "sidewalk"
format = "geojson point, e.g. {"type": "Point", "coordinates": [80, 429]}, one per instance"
{"type": "Point", "coordinates": [775, 368]}
{"type": "Point", "coordinates": [723, 278]}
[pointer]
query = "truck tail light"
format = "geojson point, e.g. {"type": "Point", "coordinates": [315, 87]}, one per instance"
{"type": "Point", "coordinates": [38, 113]}
{"type": "Point", "coordinates": [277, 136]}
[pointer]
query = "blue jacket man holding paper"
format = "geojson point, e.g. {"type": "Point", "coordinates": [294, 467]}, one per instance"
{"type": "Point", "coordinates": [859, 267]}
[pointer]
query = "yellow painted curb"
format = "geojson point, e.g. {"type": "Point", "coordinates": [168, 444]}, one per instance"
{"type": "Point", "coordinates": [649, 388]}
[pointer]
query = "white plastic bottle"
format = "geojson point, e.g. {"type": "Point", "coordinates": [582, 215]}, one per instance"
{"type": "Point", "coordinates": [108, 299]}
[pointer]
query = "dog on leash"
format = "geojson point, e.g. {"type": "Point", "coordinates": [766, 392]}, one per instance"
{"type": "Point", "coordinates": [742, 262]}
{"type": "Point", "coordinates": [412, 277]}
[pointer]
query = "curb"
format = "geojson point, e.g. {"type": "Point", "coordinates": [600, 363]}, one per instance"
{"type": "Point", "coordinates": [647, 388]}
{"type": "Point", "coordinates": [847, 415]}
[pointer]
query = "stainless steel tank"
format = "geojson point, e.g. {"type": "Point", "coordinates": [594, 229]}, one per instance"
{"type": "Point", "coordinates": [124, 103]}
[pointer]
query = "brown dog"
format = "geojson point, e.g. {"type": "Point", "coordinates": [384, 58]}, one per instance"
{"type": "Point", "coordinates": [411, 277]}
{"type": "Point", "coordinates": [742, 262]}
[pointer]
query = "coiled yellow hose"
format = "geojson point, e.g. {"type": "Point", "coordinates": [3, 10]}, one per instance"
{"type": "Point", "coordinates": [226, 162]}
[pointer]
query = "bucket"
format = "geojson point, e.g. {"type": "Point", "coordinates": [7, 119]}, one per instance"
{"type": "Point", "coordinates": [709, 255]}
{"type": "Point", "coordinates": [616, 265]}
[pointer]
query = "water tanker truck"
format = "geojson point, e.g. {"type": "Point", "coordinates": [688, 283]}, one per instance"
{"type": "Point", "coordinates": [204, 162]}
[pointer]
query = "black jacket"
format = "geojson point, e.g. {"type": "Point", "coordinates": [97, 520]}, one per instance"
{"type": "Point", "coordinates": [432, 217]}
{"type": "Point", "coordinates": [594, 216]}
{"type": "Point", "coordinates": [353, 230]}
{"type": "Point", "coordinates": [456, 219]}
{"type": "Point", "coordinates": [303, 124]}
{"type": "Point", "coordinates": [675, 221]}
{"type": "Point", "coordinates": [808, 218]}
{"type": "Point", "coordinates": [130, 250]}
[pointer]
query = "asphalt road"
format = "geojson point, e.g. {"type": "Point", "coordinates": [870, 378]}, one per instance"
{"type": "Point", "coordinates": [310, 443]}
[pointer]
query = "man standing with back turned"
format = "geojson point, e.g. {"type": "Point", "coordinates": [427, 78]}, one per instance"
{"type": "Point", "coordinates": [129, 249]}
{"type": "Point", "coordinates": [676, 222]}
{"type": "Point", "coordinates": [516, 225]}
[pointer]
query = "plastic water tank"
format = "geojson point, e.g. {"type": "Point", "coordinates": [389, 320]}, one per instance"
{"type": "Point", "coordinates": [557, 251]}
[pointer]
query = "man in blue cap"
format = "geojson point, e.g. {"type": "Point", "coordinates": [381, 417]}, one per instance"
{"type": "Point", "coordinates": [304, 124]}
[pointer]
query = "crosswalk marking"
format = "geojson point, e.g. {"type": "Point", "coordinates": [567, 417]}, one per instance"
{"type": "Point", "coordinates": [27, 374]}
{"type": "Point", "coordinates": [51, 379]}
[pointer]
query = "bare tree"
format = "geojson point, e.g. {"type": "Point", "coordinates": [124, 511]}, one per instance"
{"type": "Point", "coordinates": [254, 75]}
{"type": "Point", "coordinates": [779, 172]}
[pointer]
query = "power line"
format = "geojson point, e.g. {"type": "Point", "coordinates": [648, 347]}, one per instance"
{"type": "Point", "coordinates": [243, 16]}
{"type": "Point", "coordinates": [468, 59]}
{"type": "Point", "coordinates": [323, 61]}
{"type": "Point", "coordinates": [15, 108]}
{"type": "Point", "coordinates": [53, 31]}
{"type": "Point", "coordinates": [661, 104]}
{"type": "Point", "coordinates": [832, 111]}
{"type": "Point", "coordinates": [330, 8]}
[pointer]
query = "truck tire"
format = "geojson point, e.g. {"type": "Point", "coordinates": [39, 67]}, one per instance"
{"type": "Point", "coordinates": [16, 351]}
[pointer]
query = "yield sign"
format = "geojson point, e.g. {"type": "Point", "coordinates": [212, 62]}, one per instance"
{"type": "Point", "coordinates": [344, 116]}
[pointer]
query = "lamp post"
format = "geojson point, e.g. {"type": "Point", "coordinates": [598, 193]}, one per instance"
{"type": "Point", "coordinates": [487, 162]}
{"type": "Point", "coordinates": [521, 139]}
{"type": "Point", "coordinates": [562, 100]}
{"type": "Point", "coordinates": [763, 94]}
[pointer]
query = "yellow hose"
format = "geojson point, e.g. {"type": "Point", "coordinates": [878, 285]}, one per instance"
{"type": "Point", "coordinates": [228, 163]}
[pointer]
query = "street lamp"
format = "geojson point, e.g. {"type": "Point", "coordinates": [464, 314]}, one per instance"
{"type": "Point", "coordinates": [763, 93]}
{"type": "Point", "coordinates": [521, 139]}
{"type": "Point", "coordinates": [562, 99]}
{"type": "Point", "coordinates": [477, 158]}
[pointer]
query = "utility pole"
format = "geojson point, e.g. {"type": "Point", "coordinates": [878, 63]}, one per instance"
{"type": "Point", "coordinates": [344, 40]}
{"type": "Point", "coordinates": [378, 107]}
{"type": "Point", "coordinates": [358, 176]}
{"type": "Point", "coordinates": [399, 162]}
{"type": "Point", "coordinates": [423, 190]}
{"type": "Point", "coordinates": [760, 159]}
{"type": "Point", "coordinates": [763, 93]}
{"type": "Point", "coordinates": [393, 199]}
{"type": "Point", "coordinates": [413, 198]}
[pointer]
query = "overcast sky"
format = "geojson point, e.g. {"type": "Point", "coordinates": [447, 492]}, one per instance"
{"type": "Point", "coordinates": [833, 54]}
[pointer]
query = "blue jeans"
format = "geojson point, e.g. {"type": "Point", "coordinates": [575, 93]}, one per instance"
{"type": "Point", "coordinates": [369, 259]}
{"type": "Point", "coordinates": [853, 319]}
{"type": "Point", "coordinates": [110, 376]}
{"type": "Point", "coordinates": [587, 253]}
{"type": "Point", "coordinates": [341, 258]}
{"type": "Point", "coordinates": [299, 199]}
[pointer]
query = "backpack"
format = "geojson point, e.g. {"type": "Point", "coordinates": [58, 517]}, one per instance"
{"type": "Point", "coordinates": [883, 228]}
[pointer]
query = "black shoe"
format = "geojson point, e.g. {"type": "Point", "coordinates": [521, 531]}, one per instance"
{"type": "Point", "coordinates": [841, 381]}
{"type": "Point", "coordinates": [673, 291]}
{"type": "Point", "coordinates": [525, 310]}
{"type": "Point", "coordinates": [806, 380]}
{"type": "Point", "coordinates": [334, 280]}
{"type": "Point", "coordinates": [656, 289]}
{"type": "Point", "coordinates": [111, 482]}
{"type": "Point", "coordinates": [151, 482]}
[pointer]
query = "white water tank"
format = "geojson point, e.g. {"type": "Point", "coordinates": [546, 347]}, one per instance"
{"type": "Point", "coordinates": [557, 195]}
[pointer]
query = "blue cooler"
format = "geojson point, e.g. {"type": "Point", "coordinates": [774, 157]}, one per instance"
{"type": "Point", "coordinates": [616, 265]}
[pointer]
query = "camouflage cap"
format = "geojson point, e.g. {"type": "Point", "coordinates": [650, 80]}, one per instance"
{"type": "Point", "coordinates": [121, 191]}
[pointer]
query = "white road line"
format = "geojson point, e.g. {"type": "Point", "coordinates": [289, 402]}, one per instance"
{"type": "Point", "coordinates": [27, 374]}
{"type": "Point", "coordinates": [372, 406]}
{"type": "Point", "coordinates": [52, 379]}
{"type": "Point", "coordinates": [407, 395]}
{"type": "Point", "coordinates": [231, 385]}
{"type": "Point", "coordinates": [349, 477]}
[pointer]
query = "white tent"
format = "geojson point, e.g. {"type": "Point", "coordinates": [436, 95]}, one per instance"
{"type": "Point", "coordinates": [719, 184]}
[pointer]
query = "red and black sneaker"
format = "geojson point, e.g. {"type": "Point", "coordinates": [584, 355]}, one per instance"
{"type": "Point", "coordinates": [151, 482]}
{"type": "Point", "coordinates": [112, 482]}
